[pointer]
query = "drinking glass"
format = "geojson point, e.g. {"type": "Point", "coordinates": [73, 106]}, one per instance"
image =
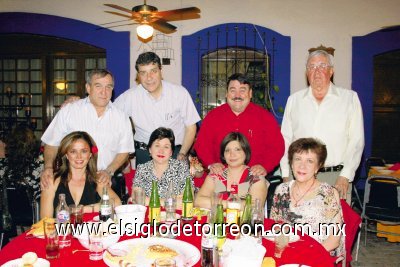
{"type": "Point", "coordinates": [165, 262]}
{"type": "Point", "coordinates": [95, 247]}
{"type": "Point", "coordinates": [138, 196]}
{"type": "Point", "coordinates": [281, 242]}
{"type": "Point", "coordinates": [76, 216]}
{"type": "Point", "coordinates": [170, 210]}
{"type": "Point", "coordinates": [51, 237]}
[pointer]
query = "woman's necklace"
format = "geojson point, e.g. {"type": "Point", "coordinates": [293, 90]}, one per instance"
{"type": "Point", "coordinates": [305, 193]}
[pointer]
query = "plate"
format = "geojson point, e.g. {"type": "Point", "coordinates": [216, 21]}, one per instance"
{"type": "Point", "coordinates": [18, 262]}
{"type": "Point", "coordinates": [385, 171]}
{"type": "Point", "coordinates": [189, 255]}
{"type": "Point", "coordinates": [378, 168]}
{"type": "Point", "coordinates": [294, 265]}
{"type": "Point", "coordinates": [292, 238]}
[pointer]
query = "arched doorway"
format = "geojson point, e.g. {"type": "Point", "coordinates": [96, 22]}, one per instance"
{"type": "Point", "coordinates": [365, 48]}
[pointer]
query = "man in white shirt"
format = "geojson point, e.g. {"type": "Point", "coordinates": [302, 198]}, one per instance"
{"type": "Point", "coordinates": [331, 114]}
{"type": "Point", "coordinates": [156, 103]}
{"type": "Point", "coordinates": [108, 126]}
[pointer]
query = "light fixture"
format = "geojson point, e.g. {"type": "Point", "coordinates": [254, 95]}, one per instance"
{"type": "Point", "coordinates": [61, 85]}
{"type": "Point", "coordinates": [144, 31]}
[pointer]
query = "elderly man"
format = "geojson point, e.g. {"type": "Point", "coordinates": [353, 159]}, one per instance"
{"type": "Point", "coordinates": [157, 103]}
{"type": "Point", "coordinates": [108, 126]}
{"type": "Point", "coordinates": [240, 115]}
{"type": "Point", "coordinates": [331, 114]}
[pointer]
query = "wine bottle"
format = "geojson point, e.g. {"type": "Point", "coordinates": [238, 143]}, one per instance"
{"type": "Point", "coordinates": [247, 215]}
{"type": "Point", "coordinates": [187, 200]}
{"type": "Point", "coordinates": [219, 226]}
{"type": "Point", "coordinates": [257, 218]}
{"type": "Point", "coordinates": [209, 253]}
{"type": "Point", "coordinates": [105, 206]}
{"type": "Point", "coordinates": [62, 217]}
{"type": "Point", "coordinates": [233, 206]}
{"type": "Point", "coordinates": [154, 204]}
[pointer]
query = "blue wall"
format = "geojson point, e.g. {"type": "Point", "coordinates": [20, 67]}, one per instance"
{"type": "Point", "coordinates": [116, 44]}
{"type": "Point", "coordinates": [191, 67]}
{"type": "Point", "coordinates": [364, 50]}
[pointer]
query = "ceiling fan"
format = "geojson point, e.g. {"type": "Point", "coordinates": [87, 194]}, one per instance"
{"type": "Point", "coordinates": [149, 17]}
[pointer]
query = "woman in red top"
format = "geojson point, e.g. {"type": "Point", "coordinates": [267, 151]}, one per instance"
{"type": "Point", "coordinates": [235, 154]}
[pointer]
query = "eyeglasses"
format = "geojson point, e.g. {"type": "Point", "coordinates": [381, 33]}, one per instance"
{"type": "Point", "coordinates": [322, 66]}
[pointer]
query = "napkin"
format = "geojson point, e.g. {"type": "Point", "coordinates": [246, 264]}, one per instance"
{"type": "Point", "coordinates": [245, 251]}
{"type": "Point", "coordinates": [37, 229]}
{"type": "Point", "coordinates": [395, 167]}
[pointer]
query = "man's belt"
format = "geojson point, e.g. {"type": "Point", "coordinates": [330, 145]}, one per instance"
{"type": "Point", "coordinates": [336, 168]}
{"type": "Point", "coordinates": [140, 145]}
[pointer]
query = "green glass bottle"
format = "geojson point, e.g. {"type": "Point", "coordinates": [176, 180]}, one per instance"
{"type": "Point", "coordinates": [187, 200]}
{"type": "Point", "coordinates": [219, 221]}
{"type": "Point", "coordinates": [154, 204]}
{"type": "Point", "coordinates": [247, 212]}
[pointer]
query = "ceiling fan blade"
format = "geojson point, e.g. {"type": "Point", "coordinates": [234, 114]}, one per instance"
{"type": "Point", "coordinates": [114, 26]}
{"type": "Point", "coordinates": [119, 7]}
{"type": "Point", "coordinates": [115, 22]}
{"type": "Point", "coordinates": [118, 14]}
{"type": "Point", "coordinates": [163, 26]}
{"type": "Point", "coordinates": [179, 14]}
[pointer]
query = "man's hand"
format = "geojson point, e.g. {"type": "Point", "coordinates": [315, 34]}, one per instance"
{"type": "Point", "coordinates": [104, 178]}
{"type": "Point", "coordinates": [69, 100]}
{"type": "Point", "coordinates": [181, 156]}
{"type": "Point", "coordinates": [46, 178]}
{"type": "Point", "coordinates": [216, 168]}
{"type": "Point", "coordinates": [342, 185]}
{"type": "Point", "coordinates": [258, 170]}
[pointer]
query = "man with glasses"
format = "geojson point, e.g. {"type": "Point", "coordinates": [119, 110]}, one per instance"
{"type": "Point", "coordinates": [331, 114]}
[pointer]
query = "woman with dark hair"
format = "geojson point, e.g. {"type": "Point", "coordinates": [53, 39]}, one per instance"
{"type": "Point", "coordinates": [75, 176]}
{"type": "Point", "coordinates": [235, 154]}
{"type": "Point", "coordinates": [162, 168]}
{"type": "Point", "coordinates": [306, 200]}
{"type": "Point", "coordinates": [22, 164]}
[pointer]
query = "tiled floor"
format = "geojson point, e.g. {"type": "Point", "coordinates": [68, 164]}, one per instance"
{"type": "Point", "coordinates": [377, 253]}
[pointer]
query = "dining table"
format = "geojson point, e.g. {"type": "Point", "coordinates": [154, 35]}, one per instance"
{"type": "Point", "coordinates": [305, 252]}
{"type": "Point", "coordinates": [385, 171]}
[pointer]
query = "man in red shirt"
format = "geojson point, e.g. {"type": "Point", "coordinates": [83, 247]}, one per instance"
{"type": "Point", "coordinates": [240, 115]}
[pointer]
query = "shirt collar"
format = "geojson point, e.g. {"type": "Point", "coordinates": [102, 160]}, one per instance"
{"type": "Point", "coordinates": [150, 96]}
{"type": "Point", "coordinates": [332, 91]}
{"type": "Point", "coordinates": [109, 105]}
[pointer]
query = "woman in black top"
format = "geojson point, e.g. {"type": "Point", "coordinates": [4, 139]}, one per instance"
{"type": "Point", "coordinates": [75, 172]}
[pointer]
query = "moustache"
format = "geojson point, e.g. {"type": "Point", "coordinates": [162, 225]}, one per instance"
{"type": "Point", "coordinates": [237, 98]}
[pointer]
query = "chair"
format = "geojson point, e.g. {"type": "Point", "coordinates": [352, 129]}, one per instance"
{"type": "Point", "coordinates": [373, 161]}
{"type": "Point", "coordinates": [381, 202]}
{"type": "Point", "coordinates": [22, 207]}
{"type": "Point", "coordinates": [353, 223]}
{"type": "Point", "coordinates": [274, 181]}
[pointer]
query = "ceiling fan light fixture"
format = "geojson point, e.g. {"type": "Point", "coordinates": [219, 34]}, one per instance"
{"type": "Point", "coordinates": [145, 31]}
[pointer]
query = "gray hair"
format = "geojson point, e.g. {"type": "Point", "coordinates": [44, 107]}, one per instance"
{"type": "Point", "coordinates": [98, 72]}
{"type": "Point", "coordinates": [315, 53]}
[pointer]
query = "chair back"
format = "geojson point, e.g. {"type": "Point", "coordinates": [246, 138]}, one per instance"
{"type": "Point", "coordinates": [21, 205]}
{"type": "Point", "coordinates": [382, 198]}
{"type": "Point", "coordinates": [274, 181]}
{"type": "Point", "coordinates": [352, 221]}
{"type": "Point", "coordinates": [373, 161]}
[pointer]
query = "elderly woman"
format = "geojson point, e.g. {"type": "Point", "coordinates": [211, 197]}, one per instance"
{"type": "Point", "coordinates": [235, 153]}
{"type": "Point", "coordinates": [75, 176]}
{"type": "Point", "coordinates": [306, 200]}
{"type": "Point", "coordinates": [162, 168]}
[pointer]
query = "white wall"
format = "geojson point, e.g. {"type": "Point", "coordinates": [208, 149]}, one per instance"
{"type": "Point", "coordinates": [309, 23]}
